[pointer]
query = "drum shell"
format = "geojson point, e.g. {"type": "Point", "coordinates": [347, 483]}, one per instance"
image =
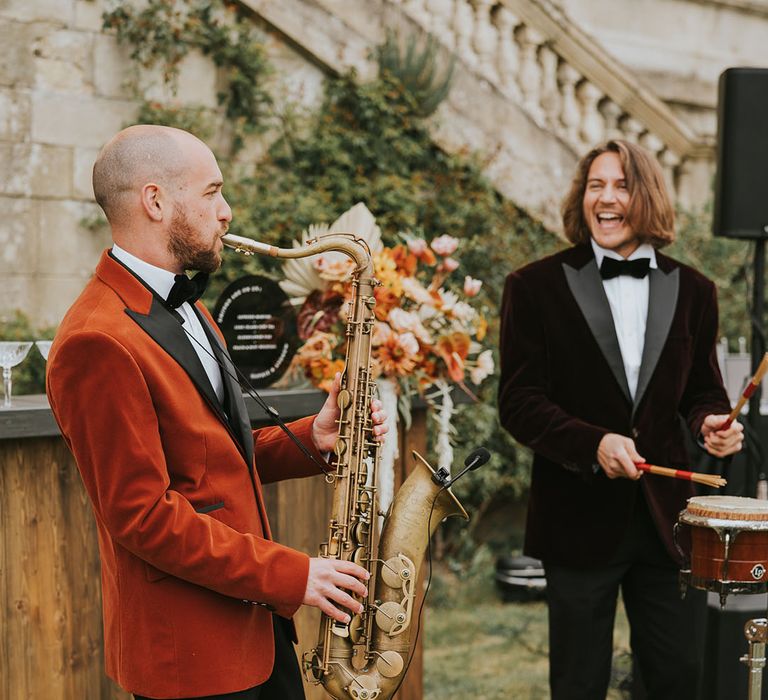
{"type": "Point", "coordinates": [747, 555]}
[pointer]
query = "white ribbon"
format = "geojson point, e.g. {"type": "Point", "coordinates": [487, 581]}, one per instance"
{"type": "Point", "coordinates": [389, 448]}
{"type": "Point", "coordinates": [442, 414]}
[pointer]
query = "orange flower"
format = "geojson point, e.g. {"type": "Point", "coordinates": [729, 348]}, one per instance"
{"type": "Point", "coordinates": [386, 271]}
{"type": "Point", "coordinates": [454, 350]}
{"type": "Point", "coordinates": [418, 246]}
{"type": "Point", "coordinates": [405, 261]}
{"type": "Point", "coordinates": [482, 328]}
{"type": "Point", "coordinates": [386, 300]}
{"type": "Point", "coordinates": [321, 371]}
{"type": "Point", "coordinates": [394, 359]}
{"type": "Point", "coordinates": [428, 373]}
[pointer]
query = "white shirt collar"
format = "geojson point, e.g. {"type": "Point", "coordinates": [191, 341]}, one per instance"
{"type": "Point", "coordinates": [156, 277]}
{"type": "Point", "coordinates": [645, 250]}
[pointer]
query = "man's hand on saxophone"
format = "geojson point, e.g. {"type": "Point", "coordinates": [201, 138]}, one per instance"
{"type": "Point", "coordinates": [325, 584]}
{"type": "Point", "coordinates": [325, 429]}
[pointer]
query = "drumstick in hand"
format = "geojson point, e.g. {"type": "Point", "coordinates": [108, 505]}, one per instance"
{"type": "Point", "coordinates": [751, 387]}
{"type": "Point", "coordinates": [707, 479]}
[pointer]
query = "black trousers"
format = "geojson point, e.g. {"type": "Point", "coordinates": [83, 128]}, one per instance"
{"type": "Point", "coordinates": [666, 633]}
{"type": "Point", "coordinates": [285, 681]}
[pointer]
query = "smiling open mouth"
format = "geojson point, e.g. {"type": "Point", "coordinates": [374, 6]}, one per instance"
{"type": "Point", "coordinates": [606, 217]}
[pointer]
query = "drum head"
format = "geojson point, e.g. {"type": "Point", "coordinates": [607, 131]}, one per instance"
{"type": "Point", "coordinates": [728, 507]}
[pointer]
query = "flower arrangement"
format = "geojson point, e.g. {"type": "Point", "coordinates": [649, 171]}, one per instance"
{"type": "Point", "coordinates": [425, 330]}
{"type": "Point", "coordinates": [427, 334]}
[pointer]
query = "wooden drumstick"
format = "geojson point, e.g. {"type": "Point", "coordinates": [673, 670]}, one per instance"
{"type": "Point", "coordinates": [707, 479]}
{"type": "Point", "coordinates": [751, 387]}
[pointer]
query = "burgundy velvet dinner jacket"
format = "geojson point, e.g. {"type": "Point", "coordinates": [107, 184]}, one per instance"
{"type": "Point", "coordinates": [563, 387]}
{"type": "Point", "coordinates": [190, 574]}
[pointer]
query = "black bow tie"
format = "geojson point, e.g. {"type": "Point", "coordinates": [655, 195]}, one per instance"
{"type": "Point", "coordinates": [187, 289]}
{"type": "Point", "coordinates": [610, 268]}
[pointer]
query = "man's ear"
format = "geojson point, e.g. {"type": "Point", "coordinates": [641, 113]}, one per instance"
{"type": "Point", "coordinates": [152, 201]}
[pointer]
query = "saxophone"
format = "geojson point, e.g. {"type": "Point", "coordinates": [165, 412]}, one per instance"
{"type": "Point", "coordinates": [367, 658]}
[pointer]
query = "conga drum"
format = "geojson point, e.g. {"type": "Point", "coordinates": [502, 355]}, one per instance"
{"type": "Point", "coordinates": [728, 544]}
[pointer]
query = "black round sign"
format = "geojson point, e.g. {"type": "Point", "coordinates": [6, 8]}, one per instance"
{"type": "Point", "coordinates": [259, 325]}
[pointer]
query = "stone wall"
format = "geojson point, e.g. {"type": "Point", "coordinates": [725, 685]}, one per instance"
{"type": "Point", "coordinates": [65, 88]}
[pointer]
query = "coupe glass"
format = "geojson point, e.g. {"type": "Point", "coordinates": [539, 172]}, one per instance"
{"type": "Point", "coordinates": [44, 346]}
{"type": "Point", "coordinates": [11, 354]}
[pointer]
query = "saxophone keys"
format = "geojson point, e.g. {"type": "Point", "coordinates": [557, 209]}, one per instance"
{"type": "Point", "coordinates": [390, 615]}
{"type": "Point", "coordinates": [340, 629]}
{"type": "Point", "coordinates": [363, 688]}
{"type": "Point", "coordinates": [395, 571]}
{"type": "Point", "coordinates": [356, 629]}
{"type": "Point", "coordinates": [343, 399]}
{"type": "Point", "coordinates": [313, 667]}
{"type": "Point", "coordinates": [360, 556]}
{"type": "Point", "coordinates": [364, 501]}
{"type": "Point", "coordinates": [389, 664]}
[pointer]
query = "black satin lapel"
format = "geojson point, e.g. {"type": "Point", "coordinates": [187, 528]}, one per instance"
{"type": "Point", "coordinates": [168, 333]}
{"type": "Point", "coordinates": [587, 289]}
{"type": "Point", "coordinates": [235, 405]}
{"type": "Point", "coordinates": [662, 302]}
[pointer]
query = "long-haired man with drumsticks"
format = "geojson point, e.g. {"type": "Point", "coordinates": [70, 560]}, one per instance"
{"type": "Point", "coordinates": [604, 347]}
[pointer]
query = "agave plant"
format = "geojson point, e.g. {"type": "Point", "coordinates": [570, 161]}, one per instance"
{"type": "Point", "coordinates": [417, 69]}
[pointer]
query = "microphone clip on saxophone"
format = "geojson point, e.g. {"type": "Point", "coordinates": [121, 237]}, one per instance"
{"type": "Point", "coordinates": [476, 459]}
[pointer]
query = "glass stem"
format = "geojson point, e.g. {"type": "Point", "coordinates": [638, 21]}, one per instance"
{"type": "Point", "coordinates": [7, 386]}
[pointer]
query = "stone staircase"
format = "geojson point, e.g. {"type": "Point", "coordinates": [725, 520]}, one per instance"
{"type": "Point", "coordinates": [531, 91]}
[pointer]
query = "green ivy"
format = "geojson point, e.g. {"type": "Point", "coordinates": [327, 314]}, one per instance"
{"type": "Point", "coordinates": [727, 262]}
{"type": "Point", "coordinates": [165, 31]}
{"type": "Point", "coordinates": [196, 120]}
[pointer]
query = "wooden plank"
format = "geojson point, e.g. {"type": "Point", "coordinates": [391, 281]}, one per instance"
{"type": "Point", "coordinates": [50, 595]}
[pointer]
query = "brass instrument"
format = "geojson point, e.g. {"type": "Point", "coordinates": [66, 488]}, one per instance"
{"type": "Point", "coordinates": [367, 658]}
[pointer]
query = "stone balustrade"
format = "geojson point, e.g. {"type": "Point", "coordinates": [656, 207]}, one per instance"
{"type": "Point", "coordinates": [532, 54]}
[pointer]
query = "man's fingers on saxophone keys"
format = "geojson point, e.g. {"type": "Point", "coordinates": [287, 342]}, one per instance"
{"type": "Point", "coordinates": [325, 581]}
{"type": "Point", "coordinates": [351, 584]}
{"type": "Point", "coordinates": [379, 420]}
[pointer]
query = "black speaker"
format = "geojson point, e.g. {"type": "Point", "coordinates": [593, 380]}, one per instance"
{"type": "Point", "coordinates": [741, 188]}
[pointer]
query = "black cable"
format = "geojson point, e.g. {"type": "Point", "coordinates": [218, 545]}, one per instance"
{"type": "Point", "coordinates": [269, 410]}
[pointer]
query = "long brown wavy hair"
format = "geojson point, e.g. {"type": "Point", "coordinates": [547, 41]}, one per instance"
{"type": "Point", "coordinates": [650, 212]}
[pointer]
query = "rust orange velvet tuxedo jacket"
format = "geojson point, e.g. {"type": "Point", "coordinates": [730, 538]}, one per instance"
{"type": "Point", "coordinates": [175, 484]}
{"type": "Point", "coordinates": [563, 387]}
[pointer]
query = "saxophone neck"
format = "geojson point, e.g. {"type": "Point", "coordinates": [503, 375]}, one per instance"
{"type": "Point", "coordinates": [348, 243]}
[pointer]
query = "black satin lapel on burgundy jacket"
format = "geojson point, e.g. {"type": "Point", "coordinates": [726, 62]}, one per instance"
{"type": "Point", "coordinates": [563, 387]}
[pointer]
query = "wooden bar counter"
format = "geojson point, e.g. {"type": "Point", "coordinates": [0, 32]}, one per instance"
{"type": "Point", "coordinates": [51, 644]}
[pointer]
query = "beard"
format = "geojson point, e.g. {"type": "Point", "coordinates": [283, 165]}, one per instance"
{"type": "Point", "coordinates": [186, 244]}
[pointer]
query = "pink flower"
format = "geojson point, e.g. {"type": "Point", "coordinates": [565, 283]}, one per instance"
{"type": "Point", "coordinates": [417, 246]}
{"type": "Point", "coordinates": [449, 264]}
{"type": "Point", "coordinates": [445, 244]}
{"type": "Point", "coordinates": [472, 286]}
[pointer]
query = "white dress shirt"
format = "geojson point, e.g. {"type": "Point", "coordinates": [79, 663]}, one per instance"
{"type": "Point", "coordinates": [161, 281]}
{"type": "Point", "coordinates": [628, 299]}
